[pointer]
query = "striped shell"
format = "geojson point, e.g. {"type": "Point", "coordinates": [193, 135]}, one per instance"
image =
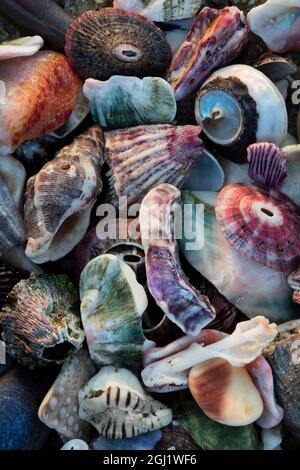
{"type": "Point", "coordinates": [59, 409]}
{"type": "Point", "coordinates": [111, 41]}
{"type": "Point", "coordinates": [41, 93]}
{"type": "Point", "coordinates": [262, 225]}
{"type": "Point", "coordinates": [145, 156]}
{"type": "Point", "coordinates": [59, 199]}
{"type": "Point", "coordinates": [161, 10]}
{"type": "Point", "coordinates": [116, 405]}
{"type": "Point", "coordinates": [267, 164]}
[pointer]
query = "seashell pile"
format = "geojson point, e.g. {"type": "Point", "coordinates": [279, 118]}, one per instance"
{"type": "Point", "coordinates": [149, 225]}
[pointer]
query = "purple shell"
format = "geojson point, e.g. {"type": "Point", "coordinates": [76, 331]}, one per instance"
{"type": "Point", "coordinates": [267, 164]}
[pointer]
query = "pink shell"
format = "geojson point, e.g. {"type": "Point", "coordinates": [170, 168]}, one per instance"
{"type": "Point", "coordinates": [267, 164]}
{"type": "Point", "coordinates": [261, 224]}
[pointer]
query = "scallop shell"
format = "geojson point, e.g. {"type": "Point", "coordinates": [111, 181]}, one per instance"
{"type": "Point", "coordinates": [116, 405]}
{"type": "Point", "coordinates": [216, 38]}
{"type": "Point", "coordinates": [261, 224]}
{"type": "Point", "coordinates": [112, 304]}
{"type": "Point", "coordinates": [41, 321]}
{"type": "Point", "coordinates": [59, 408]}
{"type": "Point", "coordinates": [41, 93]}
{"type": "Point", "coordinates": [161, 10]}
{"type": "Point", "coordinates": [116, 42]}
{"type": "Point", "coordinates": [59, 199]}
{"type": "Point", "coordinates": [145, 156]}
{"type": "Point", "coordinates": [267, 164]}
{"type": "Point", "coordinates": [130, 101]}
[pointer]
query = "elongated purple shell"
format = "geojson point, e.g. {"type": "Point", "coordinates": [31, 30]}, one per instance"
{"type": "Point", "coordinates": [169, 286]}
{"type": "Point", "coordinates": [216, 38]}
{"type": "Point", "coordinates": [267, 164]}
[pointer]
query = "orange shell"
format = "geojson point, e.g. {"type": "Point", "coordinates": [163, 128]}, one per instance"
{"type": "Point", "coordinates": [41, 93]}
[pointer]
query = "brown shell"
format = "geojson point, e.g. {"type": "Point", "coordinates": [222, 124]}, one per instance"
{"type": "Point", "coordinates": [111, 41]}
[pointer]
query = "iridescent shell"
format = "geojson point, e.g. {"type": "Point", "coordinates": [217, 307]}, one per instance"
{"type": "Point", "coordinates": [277, 23]}
{"type": "Point", "coordinates": [21, 47]}
{"type": "Point", "coordinates": [225, 393]}
{"type": "Point", "coordinates": [115, 403]}
{"type": "Point", "coordinates": [215, 39]}
{"type": "Point", "coordinates": [59, 199]}
{"type": "Point", "coordinates": [161, 10]}
{"type": "Point", "coordinates": [267, 164]}
{"type": "Point", "coordinates": [171, 289]}
{"type": "Point", "coordinates": [261, 224]}
{"type": "Point", "coordinates": [41, 322]}
{"type": "Point", "coordinates": [41, 92]}
{"type": "Point", "coordinates": [111, 41]}
{"type": "Point", "coordinates": [294, 282]}
{"type": "Point", "coordinates": [59, 409]}
{"type": "Point", "coordinates": [145, 156]}
{"type": "Point", "coordinates": [112, 304]}
{"type": "Point", "coordinates": [130, 101]}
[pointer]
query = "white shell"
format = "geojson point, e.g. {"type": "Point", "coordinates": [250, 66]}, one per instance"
{"type": "Point", "coordinates": [75, 444]}
{"type": "Point", "coordinates": [161, 10]}
{"type": "Point", "coordinates": [21, 47]}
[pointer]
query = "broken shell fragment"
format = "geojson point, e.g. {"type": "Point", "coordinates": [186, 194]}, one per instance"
{"type": "Point", "coordinates": [216, 38]}
{"type": "Point", "coordinates": [225, 393]}
{"type": "Point", "coordinates": [130, 101]}
{"type": "Point", "coordinates": [261, 224]}
{"type": "Point", "coordinates": [238, 106]}
{"type": "Point", "coordinates": [161, 10]}
{"type": "Point", "coordinates": [114, 402]}
{"type": "Point", "coordinates": [275, 67]}
{"type": "Point", "coordinates": [41, 322]}
{"type": "Point", "coordinates": [145, 156]}
{"type": "Point", "coordinates": [41, 93]}
{"type": "Point", "coordinates": [59, 409]}
{"type": "Point", "coordinates": [294, 282]}
{"type": "Point", "coordinates": [111, 41]}
{"type": "Point", "coordinates": [14, 176]}
{"type": "Point", "coordinates": [267, 164]}
{"type": "Point", "coordinates": [277, 23]}
{"type": "Point", "coordinates": [21, 47]}
{"type": "Point", "coordinates": [180, 301]}
{"type": "Point", "coordinates": [59, 199]}
{"type": "Point", "coordinates": [112, 304]}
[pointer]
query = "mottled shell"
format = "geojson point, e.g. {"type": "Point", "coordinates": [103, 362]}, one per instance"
{"type": "Point", "coordinates": [145, 156]}
{"type": "Point", "coordinates": [60, 407]}
{"type": "Point", "coordinates": [41, 92]}
{"type": "Point", "coordinates": [261, 224]}
{"type": "Point", "coordinates": [116, 405]}
{"type": "Point", "coordinates": [59, 199]}
{"type": "Point", "coordinates": [130, 101]}
{"type": "Point", "coordinates": [116, 42]}
{"type": "Point", "coordinates": [112, 304]}
{"type": "Point", "coordinates": [225, 393]}
{"type": "Point", "coordinates": [161, 10]}
{"type": "Point", "coordinates": [41, 322]}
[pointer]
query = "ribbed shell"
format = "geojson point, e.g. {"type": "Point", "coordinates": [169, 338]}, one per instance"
{"type": "Point", "coordinates": [60, 407]}
{"type": "Point", "coordinates": [267, 164]}
{"type": "Point", "coordinates": [9, 277]}
{"type": "Point", "coordinates": [161, 10]}
{"type": "Point", "coordinates": [66, 186]}
{"type": "Point", "coordinates": [12, 233]}
{"type": "Point", "coordinates": [110, 42]}
{"type": "Point", "coordinates": [145, 156]}
{"type": "Point", "coordinates": [110, 314]}
{"type": "Point", "coordinates": [116, 405]}
{"type": "Point", "coordinates": [42, 313]}
{"type": "Point", "coordinates": [263, 225]}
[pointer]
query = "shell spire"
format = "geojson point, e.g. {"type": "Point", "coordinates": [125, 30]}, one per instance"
{"type": "Point", "coordinates": [267, 164]}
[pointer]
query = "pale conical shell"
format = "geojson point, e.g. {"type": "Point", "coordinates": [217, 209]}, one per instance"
{"type": "Point", "coordinates": [14, 176]}
{"type": "Point", "coordinates": [130, 101]}
{"type": "Point", "coordinates": [59, 199]}
{"type": "Point", "coordinates": [115, 403]}
{"type": "Point", "coordinates": [112, 304]}
{"type": "Point", "coordinates": [161, 10]}
{"type": "Point", "coordinates": [59, 409]}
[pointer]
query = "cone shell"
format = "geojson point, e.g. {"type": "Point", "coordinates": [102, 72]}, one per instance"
{"type": "Point", "coordinates": [116, 405]}
{"type": "Point", "coordinates": [59, 199]}
{"type": "Point", "coordinates": [115, 42]}
{"type": "Point", "coordinates": [9, 277]}
{"type": "Point", "coordinates": [59, 409]}
{"type": "Point", "coordinates": [112, 304]}
{"type": "Point", "coordinates": [262, 225]}
{"type": "Point", "coordinates": [225, 393]}
{"type": "Point", "coordinates": [130, 101]}
{"type": "Point", "coordinates": [216, 38]}
{"type": "Point", "coordinates": [41, 321]}
{"type": "Point", "coordinates": [145, 156]}
{"type": "Point", "coordinates": [267, 164]}
{"type": "Point", "coordinates": [161, 10]}
{"type": "Point", "coordinates": [41, 93]}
